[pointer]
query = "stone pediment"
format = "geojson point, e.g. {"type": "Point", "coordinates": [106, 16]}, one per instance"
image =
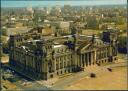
{"type": "Point", "coordinates": [85, 48]}
{"type": "Point", "coordinates": [90, 46]}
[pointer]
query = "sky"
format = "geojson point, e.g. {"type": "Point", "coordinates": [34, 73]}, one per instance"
{"type": "Point", "coordinates": [23, 3]}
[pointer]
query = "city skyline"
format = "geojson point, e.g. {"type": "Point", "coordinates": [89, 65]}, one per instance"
{"type": "Point", "coordinates": [5, 3]}
{"type": "Point", "coordinates": [63, 45]}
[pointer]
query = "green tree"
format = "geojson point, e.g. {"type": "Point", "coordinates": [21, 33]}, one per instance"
{"type": "Point", "coordinates": [92, 23]}
{"type": "Point", "coordinates": [119, 21]}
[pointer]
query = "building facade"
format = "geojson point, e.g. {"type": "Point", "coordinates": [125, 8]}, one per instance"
{"type": "Point", "coordinates": [46, 57]}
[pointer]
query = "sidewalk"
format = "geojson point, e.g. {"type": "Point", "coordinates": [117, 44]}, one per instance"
{"type": "Point", "coordinates": [49, 82]}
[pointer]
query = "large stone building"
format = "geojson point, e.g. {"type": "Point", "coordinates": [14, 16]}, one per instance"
{"type": "Point", "coordinates": [47, 56]}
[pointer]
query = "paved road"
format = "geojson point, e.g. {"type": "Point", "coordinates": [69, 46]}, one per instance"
{"type": "Point", "coordinates": [62, 83]}
{"type": "Point", "coordinates": [68, 80]}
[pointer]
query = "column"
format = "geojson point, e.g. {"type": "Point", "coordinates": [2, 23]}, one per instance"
{"type": "Point", "coordinates": [55, 65]}
{"type": "Point", "coordinates": [45, 66]}
{"type": "Point", "coordinates": [77, 60]}
{"type": "Point", "coordinates": [99, 56]}
{"type": "Point", "coordinates": [63, 61]}
{"type": "Point", "coordinates": [89, 57]}
{"type": "Point", "coordinates": [40, 63]}
{"type": "Point", "coordinates": [81, 60]}
{"type": "Point", "coordinates": [87, 61]}
{"type": "Point", "coordinates": [42, 67]}
{"type": "Point", "coordinates": [92, 58]}
{"type": "Point", "coordinates": [59, 62]}
{"type": "Point", "coordinates": [84, 59]}
{"type": "Point", "coordinates": [74, 56]}
{"type": "Point", "coordinates": [105, 53]}
{"type": "Point", "coordinates": [95, 56]}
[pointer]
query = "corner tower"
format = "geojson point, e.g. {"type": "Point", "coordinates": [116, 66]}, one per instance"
{"type": "Point", "coordinates": [110, 36]}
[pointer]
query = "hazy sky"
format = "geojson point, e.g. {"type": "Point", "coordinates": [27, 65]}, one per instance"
{"type": "Point", "coordinates": [7, 3]}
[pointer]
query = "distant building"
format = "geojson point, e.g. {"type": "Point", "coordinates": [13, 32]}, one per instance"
{"type": "Point", "coordinates": [61, 24]}
{"type": "Point", "coordinates": [64, 25]}
{"type": "Point", "coordinates": [61, 27]}
{"type": "Point", "coordinates": [18, 30]}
